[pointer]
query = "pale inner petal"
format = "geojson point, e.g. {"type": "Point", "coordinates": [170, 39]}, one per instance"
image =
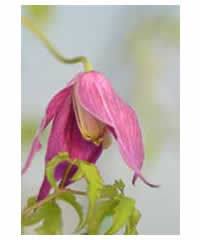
{"type": "Point", "coordinates": [90, 128]}
{"type": "Point", "coordinates": [107, 140]}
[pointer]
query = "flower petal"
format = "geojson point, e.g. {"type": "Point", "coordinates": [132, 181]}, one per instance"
{"type": "Point", "coordinates": [44, 189]}
{"type": "Point", "coordinates": [66, 137]}
{"type": "Point", "coordinates": [90, 128]}
{"type": "Point", "coordinates": [107, 139]}
{"type": "Point", "coordinates": [97, 96]}
{"type": "Point", "coordinates": [51, 110]}
{"type": "Point", "coordinates": [36, 145]}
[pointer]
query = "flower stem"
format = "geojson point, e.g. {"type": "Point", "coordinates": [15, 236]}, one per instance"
{"type": "Point", "coordinates": [50, 197]}
{"type": "Point", "coordinates": [27, 23]}
{"type": "Point", "coordinates": [61, 186]}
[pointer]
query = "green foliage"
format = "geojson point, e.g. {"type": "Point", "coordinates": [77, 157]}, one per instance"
{"type": "Point", "coordinates": [104, 201]}
{"type": "Point", "coordinates": [132, 222]}
{"type": "Point", "coordinates": [102, 210]}
{"type": "Point", "coordinates": [32, 219]}
{"type": "Point", "coordinates": [52, 223]}
{"type": "Point", "coordinates": [119, 185]}
{"type": "Point", "coordinates": [31, 201]}
{"type": "Point", "coordinates": [61, 157]}
{"type": "Point", "coordinates": [118, 206]}
{"type": "Point", "coordinates": [122, 212]}
{"type": "Point", "coordinates": [95, 184]}
{"type": "Point", "coordinates": [109, 191]}
{"type": "Point", "coordinates": [48, 213]}
{"type": "Point", "coordinates": [71, 199]}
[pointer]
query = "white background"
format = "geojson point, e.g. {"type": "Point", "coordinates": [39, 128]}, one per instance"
{"type": "Point", "coordinates": [10, 122]}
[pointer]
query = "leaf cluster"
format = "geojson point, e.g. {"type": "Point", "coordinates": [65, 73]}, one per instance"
{"type": "Point", "coordinates": [104, 201]}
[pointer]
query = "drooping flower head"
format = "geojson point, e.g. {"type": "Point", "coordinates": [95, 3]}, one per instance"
{"type": "Point", "coordinates": [85, 114]}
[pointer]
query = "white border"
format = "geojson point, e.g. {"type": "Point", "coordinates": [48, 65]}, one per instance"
{"type": "Point", "coordinates": [10, 117]}
{"type": "Point", "coordinates": [10, 105]}
{"type": "Point", "coordinates": [101, 2]}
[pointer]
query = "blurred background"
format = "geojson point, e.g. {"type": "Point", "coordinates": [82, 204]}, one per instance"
{"type": "Point", "coordinates": [137, 48]}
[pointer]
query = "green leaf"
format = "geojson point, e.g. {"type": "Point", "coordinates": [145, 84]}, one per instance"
{"type": "Point", "coordinates": [135, 217]}
{"type": "Point", "coordinates": [49, 213]}
{"type": "Point", "coordinates": [61, 157]}
{"type": "Point", "coordinates": [120, 185]}
{"type": "Point", "coordinates": [109, 191]}
{"type": "Point", "coordinates": [71, 199]}
{"type": "Point", "coordinates": [132, 222]}
{"type": "Point", "coordinates": [33, 218]}
{"type": "Point", "coordinates": [102, 210]}
{"type": "Point", "coordinates": [131, 231]}
{"type": "Point", "coordinates": [31, 201]}
{"type": "Point", "coordinates": [52, 222]}
{"type": "Point", "coordinates": [122, 213]}
{"type": "Point", "coordinates": [95, 184]}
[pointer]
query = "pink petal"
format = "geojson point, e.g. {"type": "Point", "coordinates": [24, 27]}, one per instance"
{"type": "Point", "coordinates": [44, 189]}
{"type": "Point", "coordinates": [97, 96]}
{"type": "Point", "coordinates": [66, 137]}
{"type": "Point", "coordinates": [59, 173]}
{"type": "Point", "coordinates": [36, 145]}
{"type": "Point", "coordinates": [51, 110]}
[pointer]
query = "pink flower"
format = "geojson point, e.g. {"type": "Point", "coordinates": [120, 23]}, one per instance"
{"type": "Point", "coordinates": [85, 114]}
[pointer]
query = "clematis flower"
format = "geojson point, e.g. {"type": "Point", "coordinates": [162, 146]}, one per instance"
{"type": "Point", "coordinates": [85, 114]}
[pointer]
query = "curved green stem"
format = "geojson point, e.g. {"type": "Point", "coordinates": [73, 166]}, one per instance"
{"type": "Point", "coordinates": [87, 66]}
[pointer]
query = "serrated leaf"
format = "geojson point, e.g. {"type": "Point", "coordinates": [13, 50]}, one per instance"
{"type": "Point", "coordinates": [33, 218]}
{"type": "Point", "coordinates": [102, 210]}
{"type": "Point", "coordinates": [71, 199]}
{"type": "Point", "coordinates": [95, 184]}
{"type": "Point", "coordinates": [52, 223]}
{"type": "Point", "coordinates": [132, 222]}
{"type": "Point", "coordinates": [61, 157]}
{"type": "Point", "coordinates": [49, 213]}
{"type": "Point", "coordinates": [120, 185]}
{"type": "Point", "coordinates": [122, 213]}
{"type": "Point", "coordinates": [109, 191]}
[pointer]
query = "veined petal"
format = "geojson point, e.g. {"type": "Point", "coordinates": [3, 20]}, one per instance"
{"type": "Point", "coordinates": [66, 137]}
{"type": "Point", "coordinates": [36, 145]}
{"type": "Point", "coordinates": [91, 128]}
{"type": "Point", "coordinates": [51, 110]}
{"type": "Point", "coordinates": [97, 96]}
